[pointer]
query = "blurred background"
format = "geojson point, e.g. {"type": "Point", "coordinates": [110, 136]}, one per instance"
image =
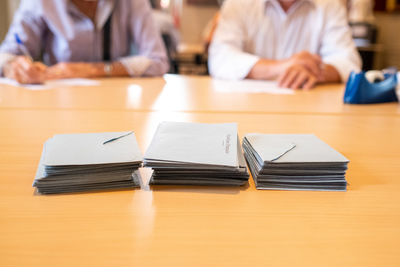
{"type": "Point", "coordinates": [187, 25]}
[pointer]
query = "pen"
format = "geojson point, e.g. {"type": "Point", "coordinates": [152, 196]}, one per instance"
{"type": "Point", "coordinates": [22, 46]}
{"type": "Point", "coordinates": [116, 138]}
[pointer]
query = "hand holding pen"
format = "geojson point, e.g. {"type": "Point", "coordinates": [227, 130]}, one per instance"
{"type": "Point", "coordinates": [23, 69]}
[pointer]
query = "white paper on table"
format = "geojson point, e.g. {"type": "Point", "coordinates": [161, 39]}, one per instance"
{"type": "Point", "coordinates": [14, 83]}
{"type": "Point", "coordinates": [51, 83]}
{"type": "Point", "coordinates": [73, 82]}
{"type": "Point", "coordinates": [249, 86]}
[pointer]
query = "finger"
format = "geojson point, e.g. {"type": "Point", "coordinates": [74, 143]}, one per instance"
{"type": "Point", "coordinates": [312, 80]}
{"type": "Point", "coordinates": [320, 77]}
{"type": "Point", "coordinates": [28, 68]}
{"type": "Point", "coordinates": [22, 77]}
{"type": "Point", "coordinates": [282, 78]}
{"type": "Point", "coordinates": [31, 68]}
{"type": "Point", "coordinates": [313, 67]}
{"type": "Point", "coordinates": [24, 62]}
{"type": "Point", "coordinates": [16, 71]}
{"type": "Point", "coordinates": [300, 79]}
{"type": "Point", "coordinates": [31, 76]}
{"type": "Point", "coordinates": [289, 78]}
{"type": "Point", "coordinates": [16, 77]}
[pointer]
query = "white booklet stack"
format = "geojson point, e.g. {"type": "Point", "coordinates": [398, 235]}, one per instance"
{"type": "Point", "coordinates": [294, 162]}
{"type": "Point", "coordinates": [91, 161]}
{"type": "Point", "coordinates": [196, 154]}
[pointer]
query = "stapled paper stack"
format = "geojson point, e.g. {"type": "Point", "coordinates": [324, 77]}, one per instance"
{"type": "Point", "coordinates": [196, 154]}
{"type": "Point", "coordinates": [92, 161]}
{"type": "Point", "coordinates": [294, 162]}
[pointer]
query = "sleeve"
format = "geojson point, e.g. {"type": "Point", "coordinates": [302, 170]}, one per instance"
{"type": "Point", "coordinates": [30, 27]}
{"type": "Point", "coordinates": [227, 60]}
{"type": "Point", "coordinates": [337, 46]}
{"type": "Point", "coordinates": [151, 58]}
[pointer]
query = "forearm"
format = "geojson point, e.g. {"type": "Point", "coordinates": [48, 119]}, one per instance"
{"type": "Point", "coordinates": [266, 69]}
{"type": "Point", "coordinates": [65, 70]}
{"type": "Point", "coordinates": [116, 69]}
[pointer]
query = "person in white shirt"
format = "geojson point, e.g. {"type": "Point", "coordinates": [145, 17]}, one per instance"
{"type": "Point", "coordinates": [297, 42]}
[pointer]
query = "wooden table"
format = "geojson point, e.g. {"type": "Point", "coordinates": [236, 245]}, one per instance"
{"type": "Point", "coordinates": [185, 93]}
{"type": "Point", "coordinates": [198, 226]}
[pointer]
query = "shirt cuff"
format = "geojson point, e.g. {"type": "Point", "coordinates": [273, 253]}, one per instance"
{"type": "Point", "coordinates": [136, 65]}
{"type": "Point", "coordinates": [4, 58]}
{"type": "Point", "coordinates": [247, 63]}
{"type": "Point", "coordinates": [231, 65]}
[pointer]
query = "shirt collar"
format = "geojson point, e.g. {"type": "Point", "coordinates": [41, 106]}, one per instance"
{"type": "Point", "coordinates": [294, 7]}
{"type": "Point", "coordinates": [311, 1]}
{"type": "Point", "coordinates": [103, 12]}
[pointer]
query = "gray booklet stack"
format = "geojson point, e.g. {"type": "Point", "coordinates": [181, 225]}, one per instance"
{"type": "Point", "coordinates": [294, 162]}
{"type": "Point", "coordinates": [92, 161]}
{"type": "Point", "coordinates": [196, 154]}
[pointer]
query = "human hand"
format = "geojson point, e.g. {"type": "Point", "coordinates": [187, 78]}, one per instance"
{"type": "Point", "coordinates": [312, 62]}
{"type": "Point", "coordinates": [25, 71]}
{"type": "Point", "coordinates": [74, 70]}
{"type": "Point", "coordinates": [296, 77]}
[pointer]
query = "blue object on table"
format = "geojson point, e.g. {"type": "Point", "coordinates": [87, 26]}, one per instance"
{"type": "Point", "coordinates": [361, 91]}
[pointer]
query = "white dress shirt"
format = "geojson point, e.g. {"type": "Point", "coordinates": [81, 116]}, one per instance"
{"type": "Point", "coordinates": [252, 29]}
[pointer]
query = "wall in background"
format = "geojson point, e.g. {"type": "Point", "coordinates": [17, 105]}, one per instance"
{"type": "Point", "coordinates": [7, 10]}
{"type": "Point", "coordinates": [12, 7]}
{"type": "Point", "coordinates": [3, 19]}
{"type": "Point", "coordinates": [389, 38]}
{"type": "Point", "coordinates": [194, 20]}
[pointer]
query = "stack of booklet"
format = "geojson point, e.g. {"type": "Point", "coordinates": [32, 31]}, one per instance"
{"type": "Point", "coordinates": [294, 162]}
{"type": "Point", "coordinates": [196, 154]}
{"type": "Point", "coordinates": [92, 161]}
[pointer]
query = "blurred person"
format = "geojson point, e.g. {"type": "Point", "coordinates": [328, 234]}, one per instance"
{"type": "Point", "coordinates": [211, 26]}
{"type": "Point", "coordinates": [82, 38]}
{"type": "Point", "coordinates": [360, 11]}
{"type": "Point", "coordinates": [169, 31]}
{"type": "Point", "coordinates": [297, 42]}
{"type": "Point", "coordinates": [165, 23]}
{"type": "Point", "coordinates": [209, 30]}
